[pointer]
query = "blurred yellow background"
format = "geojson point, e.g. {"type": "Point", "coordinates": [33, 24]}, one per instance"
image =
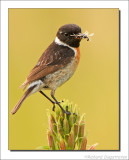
{"type": "Point", "coordinates": [94, 86]}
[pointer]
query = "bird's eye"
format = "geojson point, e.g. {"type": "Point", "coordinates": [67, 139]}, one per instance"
{"type": "Point", "coordinates": [66, 34]}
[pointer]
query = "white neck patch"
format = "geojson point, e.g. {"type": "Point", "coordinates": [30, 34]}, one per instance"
{"type": "Point", "coordinates": [59, 42]}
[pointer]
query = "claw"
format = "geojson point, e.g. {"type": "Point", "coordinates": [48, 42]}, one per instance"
{"type": "Point", "coordinates": [53, 108]}
{"type": "Point", "coordinates": [68, 113]}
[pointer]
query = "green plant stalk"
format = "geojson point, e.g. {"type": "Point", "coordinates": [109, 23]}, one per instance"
{"type": "Point", "coordinates": [66, 132]}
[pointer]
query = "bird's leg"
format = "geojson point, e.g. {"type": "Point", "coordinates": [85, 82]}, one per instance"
{"type": "Point", "coordinates": [53, 108]}
{"type": "Point", "coordinates": [47, 97]}
{"type": "Point", "coordinates": [52, 95]}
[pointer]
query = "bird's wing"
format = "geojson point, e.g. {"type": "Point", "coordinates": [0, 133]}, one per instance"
{"type": "Point", "coordinates": [54, 58]}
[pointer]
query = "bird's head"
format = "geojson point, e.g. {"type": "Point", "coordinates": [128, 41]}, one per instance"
{"type": "Point", "coordinates": [71, 35]}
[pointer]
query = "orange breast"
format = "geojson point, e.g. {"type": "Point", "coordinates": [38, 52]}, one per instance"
{"type": "Point", "coordinates": [78, 54]}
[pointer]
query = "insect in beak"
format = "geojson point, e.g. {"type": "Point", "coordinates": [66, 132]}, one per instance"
{"type": "Point", "coordinates": [83, 35]}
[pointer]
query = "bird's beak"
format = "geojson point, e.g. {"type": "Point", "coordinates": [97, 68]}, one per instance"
{"type": "Point", "coordinates": [80, 36]}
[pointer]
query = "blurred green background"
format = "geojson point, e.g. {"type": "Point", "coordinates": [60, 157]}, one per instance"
{"type": "Point", "coordinates": [94, 86]}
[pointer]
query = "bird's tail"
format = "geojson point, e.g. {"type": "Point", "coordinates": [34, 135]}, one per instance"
{"type": "Point", "coordinates": [26, 94]}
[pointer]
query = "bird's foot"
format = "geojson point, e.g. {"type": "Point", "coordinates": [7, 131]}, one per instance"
{"type": "Point", "coordinates": [60, 101]}
{"type": "Point", "coordinates": [53, 108]}
{"type": "Point", "coordinates": [67, 112]}
{"type": "Point", "coordinates": [64, 111]}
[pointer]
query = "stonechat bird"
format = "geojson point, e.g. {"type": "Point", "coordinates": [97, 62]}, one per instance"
{"type": "Point", "coordinates": [56, 65]}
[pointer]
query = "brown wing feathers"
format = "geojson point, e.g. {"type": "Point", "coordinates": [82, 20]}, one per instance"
{"type": "Point", "coordinates": [54, 58]}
